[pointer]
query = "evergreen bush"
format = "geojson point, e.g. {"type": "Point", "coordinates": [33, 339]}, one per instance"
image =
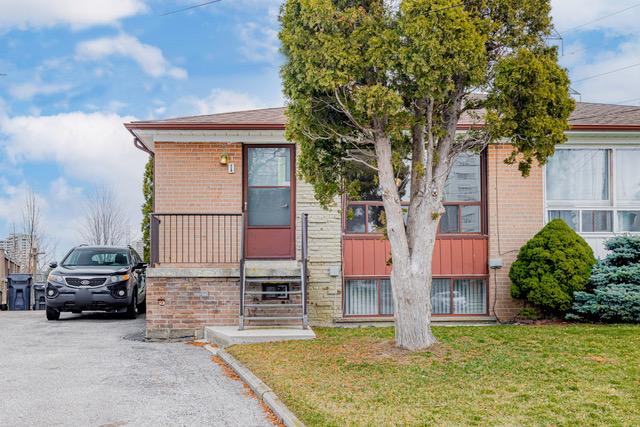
{"type": "Point", "coordinates": [550, 267]}
{"type": "Point", "coordinates": [613, 294]}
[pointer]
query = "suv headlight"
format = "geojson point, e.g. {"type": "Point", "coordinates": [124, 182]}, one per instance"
{"type": "Point", "coordinates": [119, 278]}
{"type": "Point", "coordinates": [56, 278]}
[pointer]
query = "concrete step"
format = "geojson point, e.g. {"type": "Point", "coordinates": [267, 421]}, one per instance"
{"type": "Point", "coordinates": [225, 336]}
{"type": "Point", "coordinates": [272, 268]}
{"type": "Point", "coordinates": [273, 279]}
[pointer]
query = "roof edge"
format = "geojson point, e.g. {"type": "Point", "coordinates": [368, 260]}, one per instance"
{"type": "Point", "coordinates": [277, 126]}
{"type": "Point", "coordinates": [203, 126]}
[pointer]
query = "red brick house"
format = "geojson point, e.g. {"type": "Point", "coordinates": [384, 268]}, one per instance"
{"type": "Point", "coordinates": [239, 239]}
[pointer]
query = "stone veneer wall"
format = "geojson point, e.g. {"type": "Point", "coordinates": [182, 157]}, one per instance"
{"type": "Point", "coordinates": [516, 213]}
{"type": "Point", "coordinates": [325, 252]}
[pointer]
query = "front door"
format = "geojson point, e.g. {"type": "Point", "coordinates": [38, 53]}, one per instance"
{"type": "Point", "coordinates": [269, 194]}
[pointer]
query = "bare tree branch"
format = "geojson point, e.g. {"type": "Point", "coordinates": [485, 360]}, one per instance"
{"type": "Point", "coordinates": [104, 220]}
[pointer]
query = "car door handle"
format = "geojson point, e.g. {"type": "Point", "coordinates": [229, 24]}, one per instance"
{"type": "Point", "coordinates": [286, 205]}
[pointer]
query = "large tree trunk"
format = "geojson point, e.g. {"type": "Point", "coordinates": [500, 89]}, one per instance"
{"type": "Point", "coordinates": [411, 284]}
{"type": "Point", "coordinates": [411, 251]}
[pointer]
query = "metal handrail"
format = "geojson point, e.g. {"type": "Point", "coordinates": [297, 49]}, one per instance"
{"type": "Point", "coordinates": [242, 279]}
{"type": "Point", "coordinates": [304, 273]}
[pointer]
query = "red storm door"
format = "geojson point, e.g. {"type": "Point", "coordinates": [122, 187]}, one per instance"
{"type": "Point", "coordinates": [269, 201]}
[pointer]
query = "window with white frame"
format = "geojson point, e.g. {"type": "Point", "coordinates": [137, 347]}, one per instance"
{"type": "Point", "coordinates": [595, 190]}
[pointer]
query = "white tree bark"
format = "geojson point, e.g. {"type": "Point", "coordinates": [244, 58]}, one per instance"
{"type": "Point", "coordinates": [411, 271]}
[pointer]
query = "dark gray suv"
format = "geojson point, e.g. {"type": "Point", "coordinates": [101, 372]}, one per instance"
{"type": "Point", "coordinates": [97, 278]}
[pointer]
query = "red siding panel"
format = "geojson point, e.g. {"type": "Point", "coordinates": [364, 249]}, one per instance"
{"type": "Point", "coordinates": [467, 256]}
{"type": "Point", "coordinates": [452, 256]}
{"type": "Point", "coordinates": [437, 259]}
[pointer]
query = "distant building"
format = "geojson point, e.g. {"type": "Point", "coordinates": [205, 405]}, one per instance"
{"type": "Point", "coordinates": [16, 246]}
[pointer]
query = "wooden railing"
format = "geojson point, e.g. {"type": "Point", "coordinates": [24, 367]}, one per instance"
{"type": "Point", "coordinates": [196, 238]}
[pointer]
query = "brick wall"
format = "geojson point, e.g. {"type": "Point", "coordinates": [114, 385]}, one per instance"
{"type": "Point", "coordinates": [190, 179]}
{"type": "Point", "coordinates": [181, 307]}
{"type": "Point", "coordinates": [515, 206]}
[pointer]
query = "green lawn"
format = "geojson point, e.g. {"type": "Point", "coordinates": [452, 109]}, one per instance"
{"type": "Point", "coordinates": [553, 375]}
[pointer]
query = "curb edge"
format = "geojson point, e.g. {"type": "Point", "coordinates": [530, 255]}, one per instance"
{"type": "Point", "coordinates": [262, 390]}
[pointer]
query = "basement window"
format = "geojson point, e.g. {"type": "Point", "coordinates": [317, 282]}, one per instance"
{"type": "Point", "coordinates": [373, 297]}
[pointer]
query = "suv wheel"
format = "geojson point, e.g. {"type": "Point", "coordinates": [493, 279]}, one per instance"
{"type": "Point", "coordinates": [132, 309]}
{"type": "Point", "coordinates": [142, 307]}
{"type": "Point", "coordinates": [52, 314]}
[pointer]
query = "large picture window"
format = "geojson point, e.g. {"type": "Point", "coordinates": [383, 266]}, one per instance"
{"type": "Point", "coordinates": [578, 174]}
{"type": "Point", "coordinates": [628, 175]}
{"type": "Point", "coordinates": [462, 200]}
{"type": "Point", "coordinates": [594, 190]}
{"type": "Point", "coordinates": [373, 297]}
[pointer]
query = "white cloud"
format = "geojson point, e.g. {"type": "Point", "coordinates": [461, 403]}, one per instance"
{"type": "Point", "coordinates": [92, 150]}
{"type": "Point", "coordinates": [259, 42]}
{"type": "Point", "coordinates": [221, 101]}
{"type": "Point", "coordinates": [27, 91]}
{"type": "Point", "coordinates": [149, 58]}
{"type": "Point", "coordinates": [568, 14]}
{"type": "Point", "coordinates": [76, 13]}
{"type": "Point", "coordinates": [587, 55]}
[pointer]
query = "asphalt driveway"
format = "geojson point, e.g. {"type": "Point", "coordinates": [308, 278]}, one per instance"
{"type": "Point", "coordinates": [95, 370]}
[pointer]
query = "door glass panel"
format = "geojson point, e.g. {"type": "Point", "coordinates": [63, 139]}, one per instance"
{"type": "Point", "coordinates": [269, 206]}
{"type": "Point", "coordinates": [269, 166]}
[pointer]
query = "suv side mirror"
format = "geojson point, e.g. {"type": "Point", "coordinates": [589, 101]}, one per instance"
{"type": "Point", "coordinates": [53, 264]}
{"type": "Point", "coordinates": [140, 266]}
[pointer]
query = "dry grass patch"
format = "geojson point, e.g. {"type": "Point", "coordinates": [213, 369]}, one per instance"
{"type": "Point", "coordinates": [544, 375]}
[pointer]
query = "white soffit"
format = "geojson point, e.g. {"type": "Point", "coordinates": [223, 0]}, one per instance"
{"type": "Point", "coordinates": [149, 136]}
{"type": "Point", "coordinates": [602, 138]}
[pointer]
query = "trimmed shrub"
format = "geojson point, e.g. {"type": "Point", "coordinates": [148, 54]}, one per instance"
{"type": "Point", "coordinates": [550, 267]}
{"type": "Point", "coordinates": [614, 292]}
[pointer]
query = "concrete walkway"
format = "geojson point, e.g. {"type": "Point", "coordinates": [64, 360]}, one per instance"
{"type": "Point", "coordinates": [95, 370]}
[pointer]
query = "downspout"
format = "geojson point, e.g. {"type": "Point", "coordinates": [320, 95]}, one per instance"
{"type": "Point", "coordinates": [140, 146]}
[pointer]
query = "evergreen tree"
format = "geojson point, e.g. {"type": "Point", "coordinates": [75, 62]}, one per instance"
{"type": "Point", "coordinates": [614, 292]}
{"type": "Point", "coordinates": [384, 83]}
{"type": "Point", "coordinates": [147, 208]}
{"type": "Point", "coordinates": [551, 266]}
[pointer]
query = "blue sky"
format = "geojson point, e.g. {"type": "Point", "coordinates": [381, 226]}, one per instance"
{"type": "Point", "coordinates": [77, 69]}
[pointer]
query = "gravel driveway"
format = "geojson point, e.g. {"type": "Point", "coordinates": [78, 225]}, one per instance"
{"type": "Point", "coordinates": [95, 370]}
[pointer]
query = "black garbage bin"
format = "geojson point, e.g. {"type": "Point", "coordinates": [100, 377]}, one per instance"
{"type": "Point", "coordinates": [39, 301]}
{"type": "Point", "coordinates": [19, 291]}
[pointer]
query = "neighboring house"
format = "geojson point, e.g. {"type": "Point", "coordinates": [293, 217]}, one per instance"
{"type": "Point", "coordinates": [229, 205]}
{"type": "Point", "coordinates": [7, 266]}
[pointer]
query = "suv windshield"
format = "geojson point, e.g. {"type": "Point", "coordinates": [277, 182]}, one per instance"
{"type": "Point", "coordinates": [97, 257]}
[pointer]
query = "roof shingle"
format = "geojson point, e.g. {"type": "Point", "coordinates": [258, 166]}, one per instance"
{"type": "Point", "coordinates": [586, 115]}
